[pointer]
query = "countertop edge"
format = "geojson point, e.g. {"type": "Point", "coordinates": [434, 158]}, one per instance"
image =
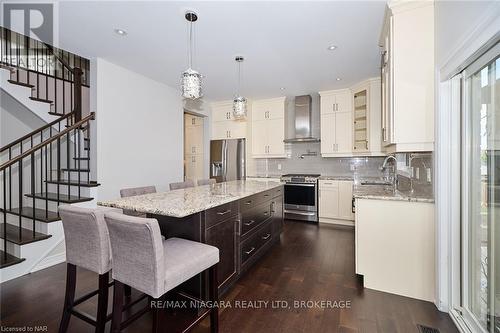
{"type": "Point", "coordinates": [195, 211]}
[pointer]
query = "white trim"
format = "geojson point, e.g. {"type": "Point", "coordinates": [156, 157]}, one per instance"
{"type": "Point", "coordinates": [50, 261]}
{"type": "Point", "coordinates": [487, 28]}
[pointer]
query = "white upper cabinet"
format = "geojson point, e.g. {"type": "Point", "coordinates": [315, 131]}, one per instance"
{"type": "Point", "coordinates": [224, 126]}
{"type": "Point", "coordinates": [268, 128]}
{"type": "Point", "coordinates": [408, 76]}
{"type": "Point", "coordinates": [366, 122]}
{"type": "Point", "coordinates": [336, 123]}
{"type": "Point", "coordinates": [336, 101]}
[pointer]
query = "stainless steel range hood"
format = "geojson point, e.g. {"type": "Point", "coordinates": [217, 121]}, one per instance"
{"type": "Point", "coordinates": [302, 120]}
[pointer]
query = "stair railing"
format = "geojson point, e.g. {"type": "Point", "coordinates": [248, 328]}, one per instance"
{"type": "Point", "coordinates": [33, 62]}
{"type": "Point", "coordinates": [37, 158]}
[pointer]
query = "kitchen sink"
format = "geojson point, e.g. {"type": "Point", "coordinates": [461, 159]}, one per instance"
{"type": "Point", "coordinates": [375, 182]}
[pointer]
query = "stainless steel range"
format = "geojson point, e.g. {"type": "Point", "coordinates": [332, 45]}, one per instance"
{"type": "Point", "coordinates": [301, 196]}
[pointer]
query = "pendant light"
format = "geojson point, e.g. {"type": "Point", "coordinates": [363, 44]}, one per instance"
{"type": "Point", "coordinates": [239, 102]}
{"type": "Point", "coordinates": [191, 79]}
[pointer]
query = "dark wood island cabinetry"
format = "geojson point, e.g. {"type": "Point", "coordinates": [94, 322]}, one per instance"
{"type": "Point", "coordinates": [244, 226]}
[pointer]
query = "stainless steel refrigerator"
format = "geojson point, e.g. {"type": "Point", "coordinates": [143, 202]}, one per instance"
{"type": "Point", "coordinates": [227, 160]}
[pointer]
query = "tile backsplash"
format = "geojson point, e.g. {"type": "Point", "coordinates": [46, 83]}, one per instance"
{"type": "Point", "coordinates": [348, 166]}
{"type": "Point", "coordinates": [415, 170]}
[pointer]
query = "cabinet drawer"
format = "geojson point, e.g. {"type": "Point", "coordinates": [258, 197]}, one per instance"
{"type": "Point", "coordinates": [220, 213]}
{"type": "Point", "coordinates": [276, 192]}
{"type": "Point", "coordinates": [254, 217]}
{"type": "Point", "coordinates": [328, 184]}
{"type": "Point", "coordinates": [256, 199]}
{"type": "Point", "coordinates": [257, 241]}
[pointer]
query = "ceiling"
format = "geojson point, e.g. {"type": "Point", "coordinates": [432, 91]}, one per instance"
{"type": "Point", "coordinates": [284, 43]}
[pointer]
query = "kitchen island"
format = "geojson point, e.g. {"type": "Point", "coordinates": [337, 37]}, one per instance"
{"type": "Point", "coordinates": [241, 218]}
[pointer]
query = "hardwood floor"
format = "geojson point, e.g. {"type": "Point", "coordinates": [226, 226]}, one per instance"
{"type": "Point", "coordinates": [311, 264]}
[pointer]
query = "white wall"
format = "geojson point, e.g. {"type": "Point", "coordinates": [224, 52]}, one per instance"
{"type": "Point", "coordinates": [139, 131]}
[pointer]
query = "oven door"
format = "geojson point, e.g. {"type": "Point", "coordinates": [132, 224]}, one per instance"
{"type": "Point", "coordinates": [301, 196]}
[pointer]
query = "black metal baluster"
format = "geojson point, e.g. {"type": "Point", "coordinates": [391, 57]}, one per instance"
{"type": "Point", "coordinates": [10, 180]}
{"type": "Point", "coordinates": [46, 187]}
{"type": "Point", "coordinates": [4, 216]}
{"type": "Point", "coordinates": [67, 162]}
{"type": "Point", "coordinates": [17, 56]}
{"type": "Point", "coordinates": [27, 40]}
{"type": "Point", "coordinates": [20, 172]}
{"type": "Point", "coordinates": [37, 72]}
{"type": "Point", "coordinates": [46, 74]}
{"type": "Point", "coordinates": [33, 189]}
{"type": "Point", "coordinates": [79, 151]}
{"type": "Point", "coordinates": [58, 169]}
{"type": "Point", "coordinates": [50, 152]}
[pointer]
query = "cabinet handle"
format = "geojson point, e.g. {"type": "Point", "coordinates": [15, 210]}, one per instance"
{"type": "Point", "coordinates": [266, 213]}
{"type": "Point", "coordinates": [266, 237]}
{"type": "Point", "coordinates": [266, 195]}
{"type": "Point", "coordinates": [229, 133]}
{"type": "Point", "coordinates": [224, 212]}
{"type": "Point", "coordinates": [250, 251]}
{"type": "Point", "coordinates": [249, 223]}
{"type": "Point", "coordinates": [248, 202]}
{"type": "Point", "coordinates": [192, 159]}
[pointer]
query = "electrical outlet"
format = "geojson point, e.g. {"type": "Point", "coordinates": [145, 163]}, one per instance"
{"type": "Point", "coordinates": [353, 167]}
{"type": "Point", "coordinates": [279, 166]}
{"type": "Point", "coordinates": [429, 175]}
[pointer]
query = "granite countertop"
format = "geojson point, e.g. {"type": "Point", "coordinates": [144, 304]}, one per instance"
{"type": "Point", "coordinates": [336, 177]}
{"type": "Point", "coordinates": [384, 192]}
{"type": "Point", "coordinates": [184, 202]}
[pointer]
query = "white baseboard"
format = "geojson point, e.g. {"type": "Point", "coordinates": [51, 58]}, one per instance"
{"type": "Point", "coordinates": [50, 261]}
{"type": "Point", "coordinates": [336, 221]}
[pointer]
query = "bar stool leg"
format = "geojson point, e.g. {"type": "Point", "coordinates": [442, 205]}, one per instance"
{"type": "Point", "coordinates": [214, 298]}
{"type": "Point", "coordinates": [102, 303]}
{"type": "Point", "coordinates": [69, 297]}
{"type": "Point", "coordinates": [156, 317]}
{"type": "Point", "coordinates": [117, 307]}
{"type": "Point", "coordinates": [128, 291]}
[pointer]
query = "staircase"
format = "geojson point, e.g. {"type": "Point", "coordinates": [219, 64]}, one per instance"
{"type": "Point", "coordinates": [52, 164]}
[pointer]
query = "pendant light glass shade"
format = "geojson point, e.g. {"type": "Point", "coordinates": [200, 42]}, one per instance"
{"type": "Point", "coordinates": [239, 107]}
{"type": "Point", "coordinates": [239, 102]}
{"type": "Point", "coordinates": [191, 85]}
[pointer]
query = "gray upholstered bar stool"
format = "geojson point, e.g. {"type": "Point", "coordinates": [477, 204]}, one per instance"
{"type": "Point", "coordinates": [87, 246]}
{"type": "Point", "coordinates": [142, 260]}
{"type": "Point", "coordinates": [186, 184]}
{"type": "Point", "coordinates": [210, 181]}
{"type": "Point", "coordinates": [133, 191]}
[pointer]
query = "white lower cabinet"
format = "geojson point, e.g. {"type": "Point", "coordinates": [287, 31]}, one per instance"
{"type": "Point", "coordinates": [395, 249]}
{"type": "Point", "coordinates": [335, 202]}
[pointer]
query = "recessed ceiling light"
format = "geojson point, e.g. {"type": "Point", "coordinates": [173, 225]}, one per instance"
{"type": "Point", "coordinates": [120, 32]}
{"type": "Point", "coordinates": [282, 88]}
{"type": "Point", "coordinates": [339, 79]}
{"type": "Point", "coordinates": [332, 47]}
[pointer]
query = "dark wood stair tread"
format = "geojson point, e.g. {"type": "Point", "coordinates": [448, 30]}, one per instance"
{"type": "Point", "coordinates": [82, 158]}
{"type": "Point", "coordinates": [62, 197]}
{"type": "Point", "coordinates": [27, 85]}
{"type": "Point", "coordinates": [27, 236]}
{"type": "Point", "coordinates": [75, 170]}
{"type": "Point", "coordinates": [56, 114]}
{"type": "Point", "coordinates": [73, 183]}
{"type": "Point", "coordinates": [40, 100]}
{"type": "Point", "coordinates": [40, 214]}
{"type": "Point", "coordinates": [7, 259]}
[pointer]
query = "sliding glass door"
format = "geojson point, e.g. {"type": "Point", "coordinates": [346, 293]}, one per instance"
{"type": "Point", "coordinates": [480, 241]}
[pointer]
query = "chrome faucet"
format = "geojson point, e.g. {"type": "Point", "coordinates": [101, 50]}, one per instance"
{"type": "Point", "coordinates": [386, 160]}
{"type": "Point", "coordinates": [394, 177]}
